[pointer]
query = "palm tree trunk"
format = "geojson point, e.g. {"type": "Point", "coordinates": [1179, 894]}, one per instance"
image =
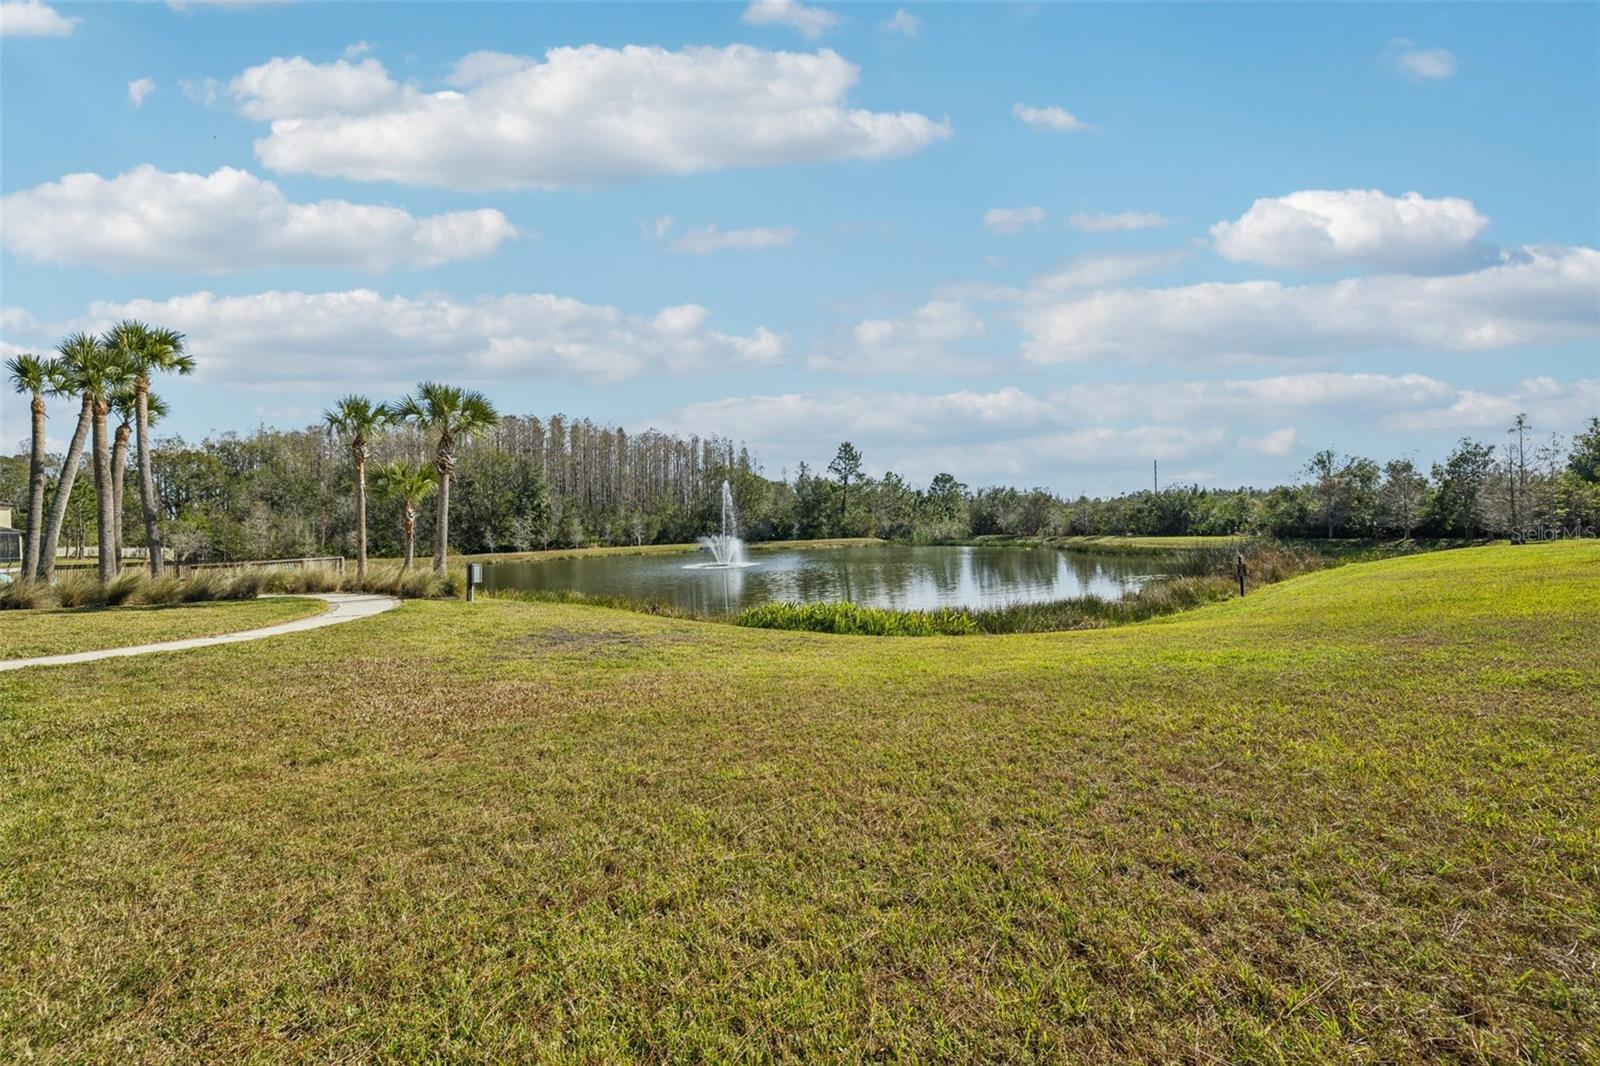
{"type": "Point", "coordinates": [30, 547]}
{"type": "Point", "coordinates": [441, 533]}
{"type": "Point", "coordinates": [445, 460]}
{"type": "Point", "coordinates": [119, 470]}
{"type": "Point", "coordinates": [361, 512]}
{"type": "Point", "coordinates": [58, 503]}
{"type": "Point", "coordinates": [106, 533]}
{"type": "Point", "coordinates": [147, 481]}
{"type": "Point", "coordinates": [410, 525]}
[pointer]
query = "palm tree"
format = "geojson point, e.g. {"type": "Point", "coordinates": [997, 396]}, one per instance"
{"type": "Point", "coordinates": [454, 414]}
{"type": "Point", "coordinates": [100, 380]}
{"type": "Point", "coordinates": [354, 418]}
{"type": "Point", "coordinates": [126, 404]}
{"type": "Point", "coordinates": [37, 376]}
{"type": "Point", "coordinates": [408, 486]}
{"type": "Point", "coordinates": [78, 368]}
{"type": "Point", "coordinates": [149, 351]}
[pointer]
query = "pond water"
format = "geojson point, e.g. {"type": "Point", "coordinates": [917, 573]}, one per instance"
{"type": "Point", "coordinates": [887, 575]}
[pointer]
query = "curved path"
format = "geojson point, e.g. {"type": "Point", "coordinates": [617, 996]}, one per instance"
{"type": "Point", "coordinates": [342, 607]}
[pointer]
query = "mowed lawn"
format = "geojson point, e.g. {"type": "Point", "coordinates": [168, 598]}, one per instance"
{"type": "Point", "coordinates": [1355, 816]}
{"type": "Point", "coordinates": [27, 634]}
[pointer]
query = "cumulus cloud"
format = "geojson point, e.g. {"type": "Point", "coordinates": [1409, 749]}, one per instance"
{"type": "Point", "coordinates": [1321, 228]}
{"type": "Point", "coordinates": [1351, 396]}
{"type": "Point", "coordinates": [1278, 442]}
{"type": "Point", "coordinates": [1009, 220]}
{"type": "Point", "coordinates": [1009, 433]}
{"type": "Point", "coordinates": [1049, 118]}
{"type": "Point", "coordinates": [902, 22]}
{"type": "Point", "coordinates": [30, 18]}
{"type": "Point", "coordinates": [576, 117]}
{"type": "Point", "coordinates": [930, 339]}
{"type": "Point", "coordinates": [359, 338]}
{"type": "Point", "coordinates": [996, 435]}
{"type": "Point", "coordinates": [1111, 223]}
{"type": "Point", "coordinates": [140, 88]}
{"type": "Point", "coordinates": [1420, 64]}
{"type": "Point", "coordinates": [1539, 295]}
{"type": "Point", "coordinates": [708, 239]}
{"type": "Point", "coordinates": [1548, 403]}
{"type": "Point", "coordinates": [809, 22]}
{"type": "Point", "coordinates": [205, 91]}
{"type": "Point", "coordinates": [297, 88]}
{"type": "Point", "coordinates": [1074, 275]}
{"type": "Point", "coordinates": [226, 221]}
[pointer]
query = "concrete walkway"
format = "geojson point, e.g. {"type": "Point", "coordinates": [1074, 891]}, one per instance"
{"type": "Point", "coordinates": [342, 607]}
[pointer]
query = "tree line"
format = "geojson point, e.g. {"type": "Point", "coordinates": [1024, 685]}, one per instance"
{"type": "Point", "coordinates": [519, 483]}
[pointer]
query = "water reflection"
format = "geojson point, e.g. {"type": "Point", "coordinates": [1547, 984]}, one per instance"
{"type": "Point", "coordinates": [897, 576]}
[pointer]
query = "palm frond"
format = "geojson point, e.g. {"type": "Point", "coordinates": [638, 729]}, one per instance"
{"type": "Point", "coordinates": [356, 416]}
{"type": "Point", "coordinates": [29, 373]}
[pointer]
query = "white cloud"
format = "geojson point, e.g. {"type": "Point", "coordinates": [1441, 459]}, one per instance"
{"type": "Point", "coordinates": [140, 88]}
{"type": "Point", "coordinates": [1010, 220]}
{"type": "Point", "coordinates": [1049, 118]}
{"type": "Point", "coordinates": [358, 49]}
{"type": "Point", "coordinates": [579, 116]}
{"type": "Point", "coordinates": [1316, 394]}
{"type": "Point", "coordinates": [229, 220]}
{"type": "Point", "coordinates": [1109, 429]}
{"type": "Point", "coordinates": [1548, 403]}
{"type": "Point", "coordinates": [1111, 223]}
{"type": "Point", "coordinates": [662, 226]}
{"type": "Point", "coordinates": [186, 6]}
{"type": "Point", "coordinates": [297, 88]}
{"type": "Point", "coordinates": [708, 239]}
{"type": "Point", "coordinates": [206, 91]}
{"type": "Point", "coordinates": [928, 340]}
{"type": "Point", "coordinates": [902, 22]}
{"type": "Point", "coordinates": [793, 418]}
{"type": "Point", "coordinates": [1278, 442]}
{"type": "Point", "coordinates": [809, 22]}
{"type": "Point", "coordinates": [1320, 228]}
{"type": "Point", "coordinates": [1074, 275]}
{"type": "Point", "coordinates": [359, 338]}
{"type": "Point", "coordinates": [30, 18]}
{"type": "Point", "coordinates": [1420, 64]}
{"type": "Point", "coordinates": [1540, 295]}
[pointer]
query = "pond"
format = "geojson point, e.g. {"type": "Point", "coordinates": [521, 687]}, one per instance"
{"type": "Point", "coordinates": [887, 575]}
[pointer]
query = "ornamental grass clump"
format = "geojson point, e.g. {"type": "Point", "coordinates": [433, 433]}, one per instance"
{"type": "Point", "coordinates": [127, 587]}
{"type": "Point", "coordinates": [855, 620]}
{"type": "Point", "coordinates": [26, 594]}
{"type": "Point", "coordinates": [79, 589]}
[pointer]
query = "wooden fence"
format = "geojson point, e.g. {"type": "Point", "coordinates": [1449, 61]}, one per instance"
{"type": "Point", "coordinates": [329, 562]}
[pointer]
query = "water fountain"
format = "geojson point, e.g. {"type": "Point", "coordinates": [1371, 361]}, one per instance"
{"type": "Point", "coordinates": [725, 546]}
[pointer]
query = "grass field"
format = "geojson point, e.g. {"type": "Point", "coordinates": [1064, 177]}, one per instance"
{"type": "Point", "coordinates": [26, 634]}
{"type": "Point", "coordinates": [1354, 816]}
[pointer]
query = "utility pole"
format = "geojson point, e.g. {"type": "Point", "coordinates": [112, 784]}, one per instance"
{"type": "Point", "coordinates": [1155, 476]}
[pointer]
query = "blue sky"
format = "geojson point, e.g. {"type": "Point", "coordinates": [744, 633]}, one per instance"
{"type": "Point", "coordinates": [1042, 244]}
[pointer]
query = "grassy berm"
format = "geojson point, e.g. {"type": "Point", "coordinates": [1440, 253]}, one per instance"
{"type": "Point", "coordinates": [1352, 817]}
